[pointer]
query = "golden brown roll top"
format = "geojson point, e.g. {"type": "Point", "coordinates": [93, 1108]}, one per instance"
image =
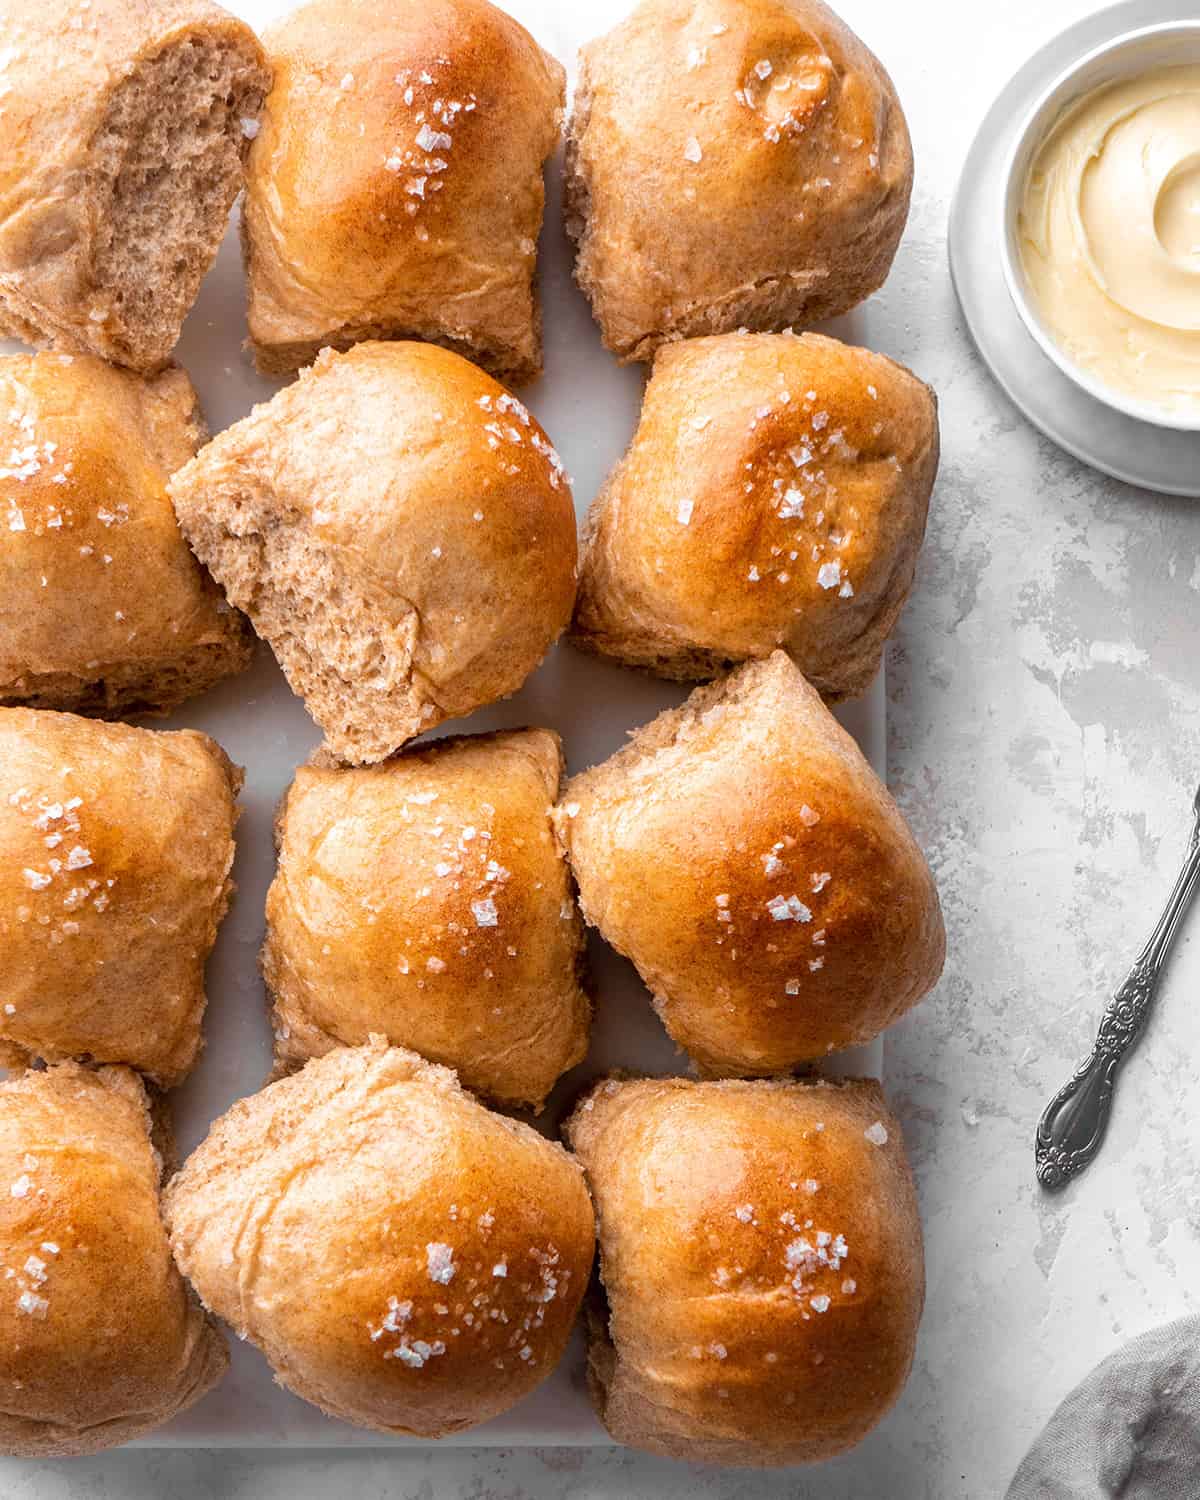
{"type": "Point", "coordinates": [743, 854]}
{"type": "Point", "coordinates": [102, 607]}
{"type": "Point", "coordinates": [405, 1259]}
{"type": "Point", "coordinates": [762, 1264]}
{"type": "Point", "coordinates": [121, 142]}
{"type": "Point", "coordinates": [774, 495]}
{"type": "Point", "coordinates": [115, 850]}
{"type": "Point", "coordinates": [732, 163]}
{"type": "Point", "coordinates": [100, 1341]}
{"type": "Point", "coordinates": [395, 188]}
{"type": "Point", "coordinates": [399, 528]}
{"type": "Point", "coordinates": [426, 900]}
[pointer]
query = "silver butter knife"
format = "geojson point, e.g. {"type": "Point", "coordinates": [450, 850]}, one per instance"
{"type": "Point", "coordinates": [1071, 1130]}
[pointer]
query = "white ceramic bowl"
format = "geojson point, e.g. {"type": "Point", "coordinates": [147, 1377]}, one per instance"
{"type": "Point", "coordinates": [1170, 44]}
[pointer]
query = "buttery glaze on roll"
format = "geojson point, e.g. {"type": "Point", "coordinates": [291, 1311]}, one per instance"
{"type": "Point", "coordinates": [115, 850]}
{"type": "Point", "coordinates": [405, 1259]}
{"type": "Point", "coordinates": [103, 609]}
{"type": "Point", "coordinates": [1110, 236]}
{"type": "Point", "coordinates": [731, 163]}
{"type": "Point", "coordinates": [744, 856]}
{"type": "Point", "coordinates": [775, 494]}
{"type": "Point", "coordinates": [395, 188]}
{"type": "Point", "coordinates": [400, 530]}
{"type": "Point", "coordinates": [425, 899]}
{"type": "Point", "coordinates": [100, 1339]}
{"type": "Point", "coordinates": [760, 1252]}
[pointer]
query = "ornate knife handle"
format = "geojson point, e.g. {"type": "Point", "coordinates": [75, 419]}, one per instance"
{"type": "Point", "coordinates": [1072, 1128]}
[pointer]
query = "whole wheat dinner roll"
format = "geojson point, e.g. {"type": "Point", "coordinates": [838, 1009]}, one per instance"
{"type": "Point", "coordinates": [122, 132]}
{"type": "Point", "coordinates": [405, 1259]}
{"type": "Point", "coordinates": [399, 529]}
{"type": "Point", "coordinates": [731, 163]}
{"type": "Point", "coordinates": [761, 1259]}
{"type": "Point", "coordinates": [115, 850]}
{"type": "Point", "coordinates": [103, 608]}
{"type": "Point", "coordinates": [775, 494]}
{"type": "Point", "coordinates": [395, 189]}
{"type": "Point", "coordinates": [426, 900]}
{"type": "Point", "coordinates": [100, 1341]}
{"type": "Point", "coordinates": [743, 854]}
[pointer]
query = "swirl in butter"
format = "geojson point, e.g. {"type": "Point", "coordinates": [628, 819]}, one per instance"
{"type": "Point", "coordinates": [1110, 236]}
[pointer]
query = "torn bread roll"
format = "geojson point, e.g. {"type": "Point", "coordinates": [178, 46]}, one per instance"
{"type": "Point", "coordinates": [103, 608]}
{"type": "Point", "coordinates": [100, 1340]}
{"type": "Point", "coordinates": [395, 189]}
{"type": "Point", "coordinates": [761, 1261]}
{"type": "Point", "coordinates": [742, 853]}
{"type": "Point", "coordinates": [405, 1259]}
{"type": "Point", "coordinates": [399, 529]}
{"type": "Point", "coordinates": [774, 495]}
{"type": "Point", "coordinates": [426, 900]}
{"type": "Point", "coordinates": [730, 164]}
{"type": "Point", "coordinates": [115, 850]}
{"type": "Point", "coordinates": [122, 136]}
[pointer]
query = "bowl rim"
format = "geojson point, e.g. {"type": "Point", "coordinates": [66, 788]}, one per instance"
{"type": "Point", "coordinates": [1019, 155]}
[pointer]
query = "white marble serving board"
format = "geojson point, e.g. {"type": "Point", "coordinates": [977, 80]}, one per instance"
{"type": "Point", "coordinates": [589, 407]}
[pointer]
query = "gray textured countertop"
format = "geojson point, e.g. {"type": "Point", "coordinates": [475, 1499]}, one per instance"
{"type": "Point", "coordinates": [1045, 741]}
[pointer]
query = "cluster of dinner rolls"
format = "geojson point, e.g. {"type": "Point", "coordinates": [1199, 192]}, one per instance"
{"type": "Point", "coordinates": [730, 163]}
{"type": "Point", "coordinates": [411, 556]}
{"type": "Point", "coordinates": [396, 526]}
{"type": "Point", "coordinates": [100, 1338]}
{"type": "Point", "coordinates": [472, 950]}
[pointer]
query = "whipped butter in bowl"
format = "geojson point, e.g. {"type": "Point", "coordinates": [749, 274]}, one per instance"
{"type": "Point", "coordinates": [1103, 225]}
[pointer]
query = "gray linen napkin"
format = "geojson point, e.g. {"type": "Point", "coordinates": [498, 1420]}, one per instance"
{"type": "Point", "coordinates": [1130, 1429]}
